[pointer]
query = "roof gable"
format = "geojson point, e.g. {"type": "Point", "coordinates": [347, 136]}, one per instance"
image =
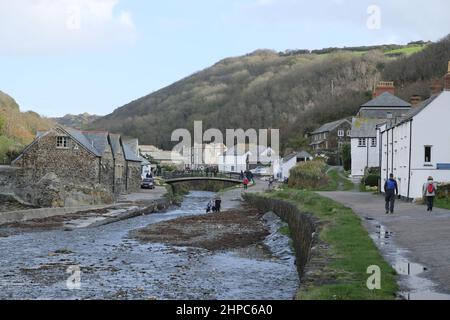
{"type": "Point", "coordinates": [302, 154]}
{"type": "Point", "coordinates": [331, 126]}
{"type": "Point", "coordinates": [386, 100]}
{"type": "Point", "coordinates": [79, 137]}
{"type": "Point", "coordinates": [130, 155]}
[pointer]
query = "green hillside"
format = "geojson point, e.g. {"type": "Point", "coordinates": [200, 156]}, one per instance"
{"type": "Point", "coordinates": [295, 91]}
{"type": "Point", "coordinates": [17, 129]}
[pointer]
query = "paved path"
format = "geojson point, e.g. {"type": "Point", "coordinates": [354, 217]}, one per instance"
{"type": "Point", "coordinates": [425, 236]}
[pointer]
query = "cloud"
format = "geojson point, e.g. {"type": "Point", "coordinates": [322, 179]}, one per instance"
{"type": "Point", "coordinates": [58, 26]}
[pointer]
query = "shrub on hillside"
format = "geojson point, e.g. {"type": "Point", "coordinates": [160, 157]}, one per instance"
{"type": "Point", "coordinates": [309, 175]}
{"type": "Point", "coordinates": [347, 156]}
{"type": "Point", "coordinates": [443, 191]}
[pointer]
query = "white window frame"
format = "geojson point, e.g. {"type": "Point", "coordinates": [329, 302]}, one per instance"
{"type": "Point", "coordinates": [373, 142]}
{"type": "Point", "coordinates": [62, 142]}
{"type": "Point", "coordinates": [341, 133]}
{"type": "Point", "coordinates": [362, 142]}
{"type": "Point", "coordinates": [349, 133]}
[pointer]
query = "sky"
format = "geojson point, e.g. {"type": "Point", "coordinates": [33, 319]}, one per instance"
{"type": "Point", "coordinates": [74, 56]}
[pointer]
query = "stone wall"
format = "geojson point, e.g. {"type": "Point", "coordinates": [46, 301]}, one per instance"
{"type": "Point", "coordinates": [73, 164]}
{"type": "Point", "coordinates": [302, 226]}
{"type": "Point", "coordinates": [107, 169]}
{"type": "Point", "coordinates": [51, 191]}
{"type": "Point", "coordinates": [134, 177]}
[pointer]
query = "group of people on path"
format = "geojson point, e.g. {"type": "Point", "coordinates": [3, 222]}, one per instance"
{"type": "Point", "coordinates": [391, 191]}
{"type": "Point", "coordinates": [247, 177]}
{"type": "Point", "coordinates": [214, 205]}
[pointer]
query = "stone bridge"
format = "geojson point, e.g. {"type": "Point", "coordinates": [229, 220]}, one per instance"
{"type": "Point", "coordinates": [201, 181]}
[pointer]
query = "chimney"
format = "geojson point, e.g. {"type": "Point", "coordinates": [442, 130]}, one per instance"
{"type": "Point", "coordinates": [384, 86]}
{"type": "Point", "coordinates": [447, 79]}
{"type": "Point", "coordinates": [415, 100]}
{"type": "Point", "coordinates": [436, 87]}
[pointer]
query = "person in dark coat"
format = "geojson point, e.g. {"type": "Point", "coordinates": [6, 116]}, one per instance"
{"type": "Point", "coordinates": [218, 203]}
{"type": "Point", "coordinates": [391, 191]}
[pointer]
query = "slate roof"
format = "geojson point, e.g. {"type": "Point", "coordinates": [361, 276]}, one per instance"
{"type": "Point", "coordinates": [302, 154]}
{"type": "Point", "coordinates": [330, 126]}
{"type": "Point", "coordinates": [415, 111]}
{"type": "Point", "coordinates": [96, 143]}
{"type": "Point", "coordinates": [365, 128]}
{"type": "Point", "coordinates": [386, 100]}
{"type": "Point", "coordinates": [130, 155]}
{"type": "Point", "coordinates": [115, 144]}
{"type": "Point", "coordinates": [81, 138]}
{"type": "Point", "coordinates": [98, 139]}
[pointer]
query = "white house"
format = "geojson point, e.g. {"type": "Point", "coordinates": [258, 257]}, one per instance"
{"type": "Point", "coordinates": [290, 162]}
{"type": "Point", "coordinates": [418, 145]}
{"type": "Point", "coordinates": [241, 157]}
{"type": "Point", "coordinates": [364, 145]}
{"type": "Point", "coordinates": [364, 142]}
{"type": "Point", "coordinates": [163, 157]}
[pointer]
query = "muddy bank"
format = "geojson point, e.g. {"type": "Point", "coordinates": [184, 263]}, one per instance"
{"type": "Point", "coordinates": [227, 230]}
{"type": "Point", "coordinates": [82, 219]}
{"type": "Point", "coordinates": [115, 266]}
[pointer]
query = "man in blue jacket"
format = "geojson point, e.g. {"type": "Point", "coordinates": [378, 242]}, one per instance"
{"type": "Point", "coordinates": [391, 191]}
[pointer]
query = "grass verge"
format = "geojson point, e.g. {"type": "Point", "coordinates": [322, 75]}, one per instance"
{"type": "Point", "coordinates": [350, 251]}
{"type": "Point", "coordinates": [337, 182]}
{"type": "Point", "coordinates": [443, 203]}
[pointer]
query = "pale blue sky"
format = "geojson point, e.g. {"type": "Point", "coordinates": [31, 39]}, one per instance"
{"type": "Point", "coordinates": [74, 56]}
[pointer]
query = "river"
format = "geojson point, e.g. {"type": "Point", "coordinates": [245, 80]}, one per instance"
{"type": "Point", "coordinates": [112, 265]}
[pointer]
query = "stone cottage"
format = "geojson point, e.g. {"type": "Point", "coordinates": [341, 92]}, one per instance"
{"type": "Point", "coordinates": [330, 138]}
{"type": "Point", "coordinates": [92, 159]}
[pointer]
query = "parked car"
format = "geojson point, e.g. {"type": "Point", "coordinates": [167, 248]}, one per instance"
{"type": "Point", "coordinates": [148, 183]}
{"type": "Point", "coordinates": [262, 171]}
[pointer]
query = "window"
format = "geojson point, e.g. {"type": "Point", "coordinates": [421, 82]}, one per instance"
{"type": "Point", "coordinates": [362, 142]}
{"type": "Point", "coordinates": [341, 133]}
{"type": "Point", "coordinates": [373, 142]}
{"type": "Point", "coordinates": [390, 115]}
{"type": "Point", "coordinates": [349, 133]}
{"type": "Point", "coordinates": [427, 154]}
{"type": "Point", "coordinates": [62, 142]}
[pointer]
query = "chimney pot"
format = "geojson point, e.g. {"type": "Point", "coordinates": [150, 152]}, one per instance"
{"type": "Point", "coordinates": [436, 87]}
{"type": "Point", "coordinates": [415, 100]}
{"type": "Point", "coordinates": [384, 86]}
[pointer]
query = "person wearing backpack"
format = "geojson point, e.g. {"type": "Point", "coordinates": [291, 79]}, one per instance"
{"type": "Point", "coordinates": [429, 193]}
{"type": "Point", "coordinates": [391, 191]}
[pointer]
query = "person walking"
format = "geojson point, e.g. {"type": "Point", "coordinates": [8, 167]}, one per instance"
{"type": "Point", "coordinates": [271, 181]}
{"type": "Point", "coordinates": [209, 207]}
{"type": "Point", "coordinates": [391, 191]}
{"type": "Point", "coordinates": [429, 193]}
{"type": "Point", "coordinates": [246, 182]}
{"type": "Point", "coordinates": [218, 204]}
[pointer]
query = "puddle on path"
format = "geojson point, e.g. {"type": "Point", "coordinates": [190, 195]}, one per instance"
{"type": "Point", "coordinates": [413, 284]}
